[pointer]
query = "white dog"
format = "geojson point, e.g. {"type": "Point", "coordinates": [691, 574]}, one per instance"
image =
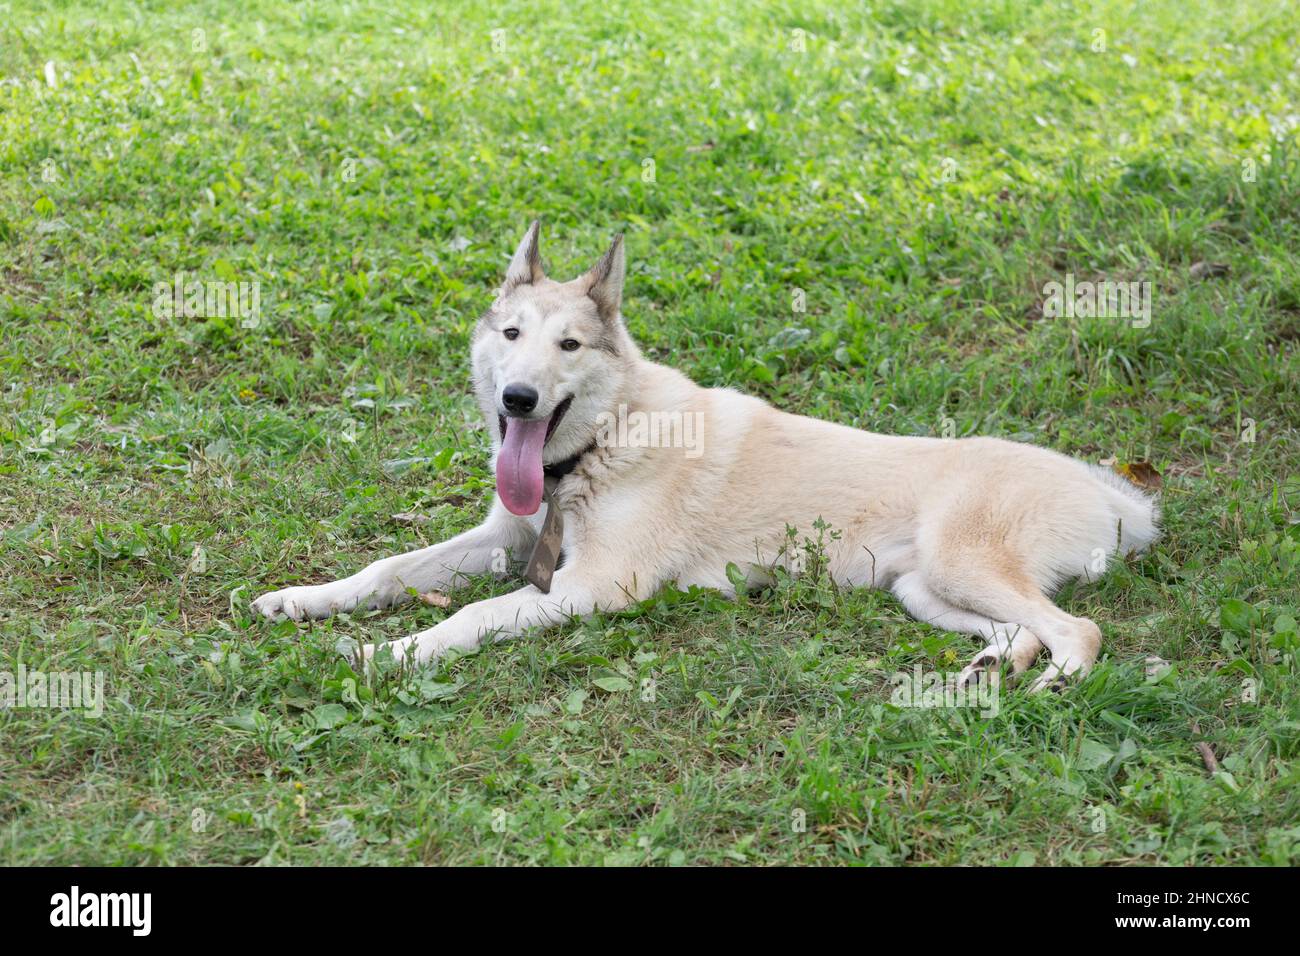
{"type": "Point", "coordinates": [650, 479]}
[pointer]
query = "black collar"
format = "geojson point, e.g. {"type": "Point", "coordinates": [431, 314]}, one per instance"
{"type": "Point", "coordinates": [562, 468]}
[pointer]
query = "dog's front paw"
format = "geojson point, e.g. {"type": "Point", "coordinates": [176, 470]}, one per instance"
{"type": "Point", "coordinates": [310, 603]}
{"type": "Point", "coordinates": [363, 659]}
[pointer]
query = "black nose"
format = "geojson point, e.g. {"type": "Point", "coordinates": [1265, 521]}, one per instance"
{"type": "Point", "coordinates": [519, 399]}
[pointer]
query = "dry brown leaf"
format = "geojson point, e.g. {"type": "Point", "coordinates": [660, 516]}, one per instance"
{"type": "Point", "coordinates": [1142, 474]}
{"type": "Point", "coordinates": [435, 599]}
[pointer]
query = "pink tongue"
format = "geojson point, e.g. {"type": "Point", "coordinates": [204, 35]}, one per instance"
{"type": "Point", "coordinates": [519, 466]}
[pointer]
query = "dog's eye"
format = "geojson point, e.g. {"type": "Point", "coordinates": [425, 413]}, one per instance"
{"type": "Point", "coordinates": [511, 334]}
{"type": "Point", "coordinates": [570, 345]}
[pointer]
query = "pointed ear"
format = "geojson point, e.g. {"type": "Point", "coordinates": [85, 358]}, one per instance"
{"type": "Point", "coordinates": [605, 281]}
{"type": "Point", "coordinates": [526, 266]}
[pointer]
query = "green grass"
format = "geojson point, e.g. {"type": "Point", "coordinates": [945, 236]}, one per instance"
{"type": "Point", "coordinates": [920, 170]}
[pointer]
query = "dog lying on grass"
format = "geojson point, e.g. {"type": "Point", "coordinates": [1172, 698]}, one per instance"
{"type": "Point", "coordinates": [971, 535]}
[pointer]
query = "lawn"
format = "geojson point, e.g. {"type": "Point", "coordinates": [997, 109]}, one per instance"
{"type": "Point", "coordinates": [852, 213]}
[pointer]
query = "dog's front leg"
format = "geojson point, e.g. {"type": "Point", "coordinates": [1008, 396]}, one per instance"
{"type": "Point", "coordinates": [388, 582]}
{"type": "Point", "coordinates": [574, 593]}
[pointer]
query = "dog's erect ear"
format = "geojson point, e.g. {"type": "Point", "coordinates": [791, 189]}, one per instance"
{"type": "Point", "coordinates": [526, 266]}
{"type": "Point", "coordinates": [605, 281]}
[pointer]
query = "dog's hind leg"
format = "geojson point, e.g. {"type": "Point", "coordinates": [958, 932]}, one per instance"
{"type": "Point", "coordinates": [986, 583]}
{"type": "Point", "coordinates": [389, 582]}
{"type": "Point", "coordinates": [1015, 644]}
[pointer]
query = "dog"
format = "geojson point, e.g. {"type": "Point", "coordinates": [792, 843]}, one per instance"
{"type": "Point", "coordinates": [971, 535]}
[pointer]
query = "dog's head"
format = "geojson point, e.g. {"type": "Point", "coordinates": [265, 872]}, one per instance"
{"type": "Point", "coordinates": [549, 357]}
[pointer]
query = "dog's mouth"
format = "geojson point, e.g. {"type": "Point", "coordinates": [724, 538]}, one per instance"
{"type": "Point", "coordinates": [551, 423]}
{"type": "Point", "coordinates": [520, 478]}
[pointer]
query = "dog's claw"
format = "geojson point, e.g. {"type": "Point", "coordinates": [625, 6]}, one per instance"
{"type": "Point", "coordinates": [978, 670]}
{"type": "Point", "coordinates": [1054, 679]}
{"type": "Point", "coordinates": [1054, 683]}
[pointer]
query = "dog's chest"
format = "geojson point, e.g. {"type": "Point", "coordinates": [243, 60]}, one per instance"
{"type": "Point", "coordinates": [580, 509]}
{"type": "Point", "coordinates": [563, 512]}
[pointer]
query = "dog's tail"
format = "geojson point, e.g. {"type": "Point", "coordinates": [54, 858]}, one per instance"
{"type": "Point", "coordinates": [1138, 510]}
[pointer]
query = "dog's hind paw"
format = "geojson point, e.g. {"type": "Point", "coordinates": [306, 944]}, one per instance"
{"type": "Point", "coordinates": [979, 671]}
{"type": "Point", "coordinates": [1018, 649]}
{"type": "Point", "coordinates": [1054, 679]}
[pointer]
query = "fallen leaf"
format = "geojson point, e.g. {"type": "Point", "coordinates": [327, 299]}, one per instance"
{"type": "Point", "coordinates": [409, 517]}
{"type": "Point", "coordinates": [1208, 270]}
{"type": "Point", "coordinates": [435, 599]}
{"type": "Point", "coordinates": [1142, 474]}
